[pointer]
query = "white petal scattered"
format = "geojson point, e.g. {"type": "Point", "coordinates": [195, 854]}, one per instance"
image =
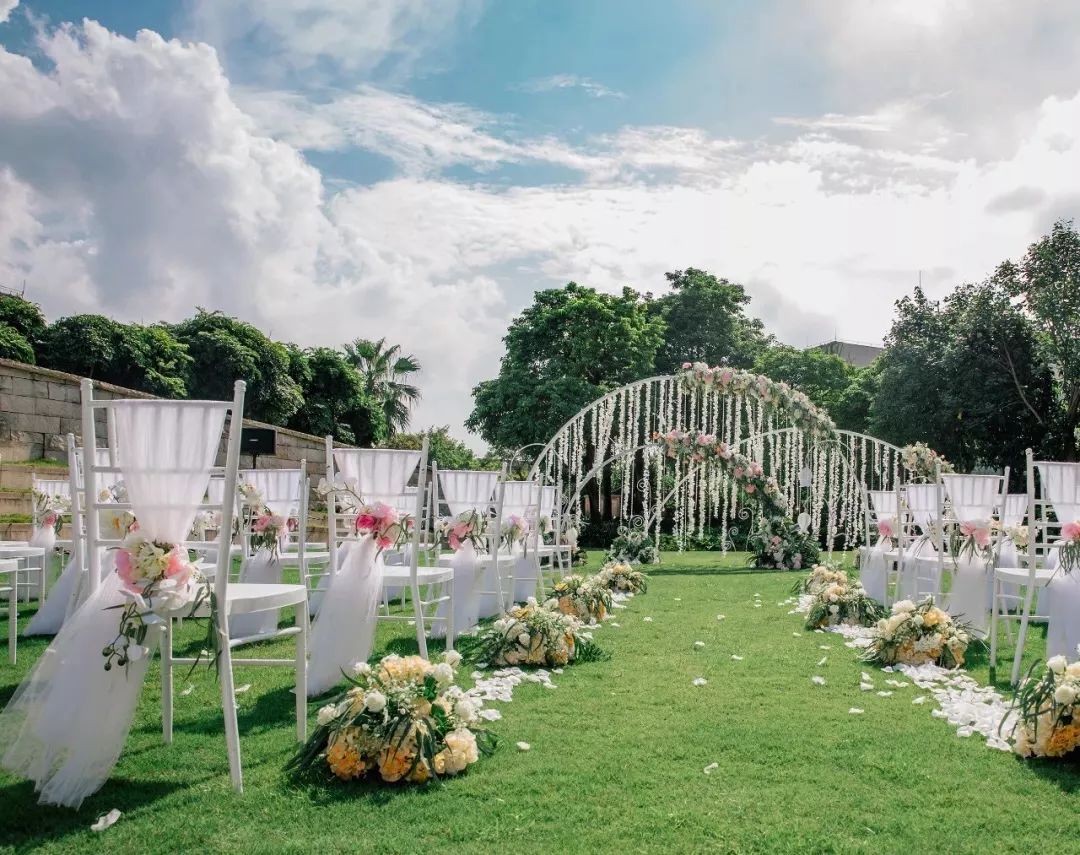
{"type": "Point", "coordinates": [647, 619]}
{"type": "Point", "coordinates": [757, 605]}
{"type": "Point", "coordinates": [884, 694]}
{"type": "Point", "coordinates": [721, 617]}
{"type": "Point", "coordinates": [556, 670]}
{"type": "Point", "coordinates": [712, 767]}
{"type": "Point", "coordinates": [106, 820]}
{"type": "Point", "coordinates": [698, 645]}
{"type": "Point", "coordinates": [866, 676]}
{"type": "Point", "coordinates": [856, 711]}
{"type": "Point", "coordinates": [817, 681]}
{"type": "Point", "coordinates": [239, 690]}
{"type": "Point", "coordinates": [615, 624]}
{"type": "Point", "coordinates": [187, 691]}
{"type": "Point", "coordinates": [920, 700]}
{"type": "Point", "coordinates": [824, 647]}
{"type": "Point", "coordinates": [490, 715]}
{"type": "Point", "coordinates": [822, 661]}
{"type": "Point", "coordinates": [523, 746]}
{"type": "Point", "coordinates": [699, 681]}
{"type": "Point", "coordinates": [678, 599]}
{"type": "Point", "coordinates": [797, 634]}
{"type": "Point", "coordinates": [866, 687]}
{"type": "Point", "coordinates": [736, 657]}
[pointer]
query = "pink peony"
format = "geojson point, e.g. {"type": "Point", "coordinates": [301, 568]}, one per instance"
{"type": "Point", "coordinates": [982, 537]}
{"type": "Point", "coordinates": [750, 488]}
{"type": "Point", "coordinates": [365, 521]}
{"type": "Point", "coordinates": [967, 529]}
{"type": "Point", "coordinates": [49, 520]}
{"type": "Point", "coordinates": [125, 569]}
{"type": "Point", "coordinates": [179, 568]}
{"type": "Point", "coordinates": [263, 522]}
{"type": "Point", "coordinates": [739, 471]}
{"type": "Point", "coordinates": [1071, 530]}
{"type": "Point", "coordinates": [885, 528]}
{"type": "Point", "coordinates": [775, 540]}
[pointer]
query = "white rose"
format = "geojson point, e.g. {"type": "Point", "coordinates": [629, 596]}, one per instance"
{"type": "Point", "coordinates": [1065, 695]}
{"type": "Point", "coordinates": [834, 610]}
{"type": "Point", "coordinates": [326, 715]}
{"type": "Point", "coordinates": [1073, 670]}
{"type": "Point", "coordinates": [465, 709]}
{"type": "Point", "coordinates": [523, 639]}
{"type": "Point", "coordinates": [452, 658]}
{"type": "Point", "coordinates": [443, 674]}
{"type": "Point", "coordinates": [903, 606]}
{"type": "Point", "coordinates": [917, 620]}
{"type": "Point", "coordinates": [361, 669]}
{"type": "Point", "coordinates": [1057, 664]}
{"type": "Point", "coordinates": [375, 701]}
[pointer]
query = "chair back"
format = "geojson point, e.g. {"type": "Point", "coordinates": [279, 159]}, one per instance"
{"type": "Point", "coordinates": [1014, 508]}
{"type": "Point", "coordinates": [974, 497]}
{"type": "Point", "coordinates": [1053, 488]}
{"type": "Point", "coordinates": [468, 490]}
{"type": "Point", "coordinates": [165, 453]}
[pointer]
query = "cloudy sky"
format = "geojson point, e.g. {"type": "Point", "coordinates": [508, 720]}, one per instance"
{"type": "Point", "coordinates": [329, 169]}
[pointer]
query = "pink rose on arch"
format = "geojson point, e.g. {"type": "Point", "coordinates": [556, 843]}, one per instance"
{"type": "Point", "coordinates": [739, 472]}
{"type": "Point", "coordinates": [750, 488]}
{"type": "Point", "coordinates": [755, 470]}
{"type": "Point", "coordinates": [776, 540]}
{"type": "Point", "coordinates": [686, 365]}
{"type": "Point", "coordinates": [1071, 530]}
{"type": "Point", "coordinates": [726, 376]}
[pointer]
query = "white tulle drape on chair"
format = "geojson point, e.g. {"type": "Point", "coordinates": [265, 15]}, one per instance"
{"type": "Point", "coordinates": [280, 491]}
{"type": "Point", "coordinates": [463, 491]}
{"type": "Point", "coordinates": [65, 727]}
{"type": "Point", "coordinates": [923, 504]}
{"type": "Point", "coordinates": [344, 631]}
{"type": "Point", "coordinates": [973, 499]}
{"type": "Point", "coordinates": [1061, 486]}
{"type": "Point", "coordinates": [874, 572]}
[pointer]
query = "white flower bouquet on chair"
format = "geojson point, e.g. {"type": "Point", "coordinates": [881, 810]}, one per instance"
{"type": "Point", "coordinates": [158, 579]}
{"type": "Point", "coordinates": [405, 720]}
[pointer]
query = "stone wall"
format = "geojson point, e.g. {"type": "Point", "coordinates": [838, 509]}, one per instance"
{"type": "Point", "coordinates": [39, 407]}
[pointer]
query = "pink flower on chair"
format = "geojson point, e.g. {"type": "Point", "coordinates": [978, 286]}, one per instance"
{"type": "Point", "coordinates": [982, 537]}
{"type": "Point", "coordinates": [49, 520]}
{"type": "Point", "coordinates": [125, 569]}
{"type": "Point", "coordinates": [885, 528]}
{"type": "Point", "coordinates": [178, 568]}
{"type": "Point", "coordinates": [1071, 531]}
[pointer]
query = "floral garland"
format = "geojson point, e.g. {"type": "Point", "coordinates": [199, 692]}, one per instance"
{"type": "Point", "coordinates": [586, 598]}
{"type": "Point", "coordinates": [533, 634]}
{"type": "Point", "coordinates": [916, 634]}
{"type": "Point", "coordinates": [623, 577]}
{"type": "Point", "coordinates": [1049, 711]}
{"type": "Point", "coordinates": [923, 464]}
{"type": "Point", "coordinates": [632, 546]}
{"type": "Point", "coordinates": [158, 578]}
{"type": "Point", "coordinates": [748, 474]}
{"type": "Point", "coordinates": [802, 412]}
{"type": "Point", "coordinates": [404, 720]}
{"type": "Point", "coordinates": [779, 543]}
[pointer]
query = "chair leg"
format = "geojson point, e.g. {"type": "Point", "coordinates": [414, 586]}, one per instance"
{"type": "Point", "coordinates": [166, 646]}
{"type": "Point", "coordinates": [450, 627]}
{"type": "Point", "coordinates": [228, 709]}
{"type": "Point", "coordinates": [1024, 615]}
{"type": "Point", "coordinates": [421, 626]}
{"type": "Point", "coordinates": [13, 620]}
{"type": "Point", "coordinates": [301, 671]}
{"type": "Point", "coordinates": [994, 597]}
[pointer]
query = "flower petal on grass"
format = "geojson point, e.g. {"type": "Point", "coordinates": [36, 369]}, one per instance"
{"type": "Point", "coordinates": [699, 681]}
{"type": "Point", "coordinates": [647, 619]}
{"type": "Point", "coordinates": [523, 746]}
{"type": "Point", "coordinates": [884, 694]}
{"type": "Point", "coordinates": [866, 687]}
{"type": "Point", "coordinates": [822, 661]}
{"type": "Point", "coordinates": [106, 820]}
{"type": "Point", "coordinates": [698, 645]}
{"type": "Point", "coordinates": [736, 657]}
{"type": "Point", "coordinates": [817, 680]}
{"type": "Point", "coordinates": [856, 711]}
{"type": "Point", "coordinates": [712, 767]}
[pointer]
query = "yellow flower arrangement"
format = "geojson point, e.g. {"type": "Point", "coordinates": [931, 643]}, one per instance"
{"type": "Point", "coordinates": [915, 634]}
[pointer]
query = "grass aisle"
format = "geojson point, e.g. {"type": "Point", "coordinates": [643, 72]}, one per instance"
{"type": "Point", "coordinates": [617, 759]}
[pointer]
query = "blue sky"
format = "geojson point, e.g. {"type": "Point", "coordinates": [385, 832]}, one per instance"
{"type": "Point", "coordinates": [337, 168]}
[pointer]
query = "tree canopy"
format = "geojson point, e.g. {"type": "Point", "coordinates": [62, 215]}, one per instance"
{"type": "Point", "coordinates": [443, 449]}
{"type": "Point", "coordinates": [385, 372]}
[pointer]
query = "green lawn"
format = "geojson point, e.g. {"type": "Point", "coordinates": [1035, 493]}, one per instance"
{"type": "Point", "coordinates": [616, 762]}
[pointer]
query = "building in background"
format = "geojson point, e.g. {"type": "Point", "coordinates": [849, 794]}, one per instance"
{"type": "Point", "coordinates": [852, 352]}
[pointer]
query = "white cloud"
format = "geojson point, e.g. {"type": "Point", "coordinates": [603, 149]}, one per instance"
{"type": "Point", "coordinates": [571, 81]}
{"type": "Point", "coordinates": [6, 8]}
{"type": "Point", "coordinates": [279, 37]}
{"type": "Point", "coordinates": [131, 182]}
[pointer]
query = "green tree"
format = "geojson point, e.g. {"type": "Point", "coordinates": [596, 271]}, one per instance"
{"type": "Point", "coordinates": [225, 350]}
{"type": "Point", "coordinates": [852, 410]}
{"type": "Point", "coordinates": [823, 377]}
{"type": "Point", "coordinates": [443, 450]}
{"type": "Point", "coordinates": [25, 318]}
{"type": "Point", "coordinates": [568, 348]}
{"type": "Point", "coordinates": [706, 321]}
{"type": "Point", "coordinates": [1045, 284]}
{"type": "Point", "coordinates": [147, 358]}
{"type": "Point", "coordinates": [13, 345]}
{"type": "Point", "coordinates": [334, 399]}
{"type": "Point", "coordinates": [386, 371]}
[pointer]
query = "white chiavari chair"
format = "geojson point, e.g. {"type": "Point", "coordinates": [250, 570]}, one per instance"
{"type": "Point", "coordinates": [922, 541]}
{"type": "Point", "coordinates": [1056, 491]}
{"type": "Point", "coordinates": [879, 558]}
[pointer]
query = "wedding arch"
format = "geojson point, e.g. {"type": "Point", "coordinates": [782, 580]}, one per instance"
{"type": "Point", "coordinates": [653, 443]}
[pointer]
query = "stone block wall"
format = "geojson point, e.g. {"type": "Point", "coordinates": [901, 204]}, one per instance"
{"type": "Point", "coordinates": [39, 407]}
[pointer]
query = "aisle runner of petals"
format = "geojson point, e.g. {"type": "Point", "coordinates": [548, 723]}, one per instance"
{"type": "Point", "coordinates": [962, 702]}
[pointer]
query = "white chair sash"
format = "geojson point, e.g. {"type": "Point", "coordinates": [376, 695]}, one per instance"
{"type": "Point", "coordinates": [279, 488]}
{"type": "Point", "coordinates": [882, 502]}
{"type": "Point", "coordinates": [466, 490]}
{"type": "Point", "coordinates": [1061, 486]}
{"type": "Point", "coordinates": [973, 497]}
{"type": "Point", "coordinates": [68, 720]}
{"type": "Point", "coordinates": [379, 475]}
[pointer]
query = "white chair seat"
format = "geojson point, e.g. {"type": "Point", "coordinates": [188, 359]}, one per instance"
{"type": "Point", "coordinates": [246, 597]}
{"type": "Point", "coordinates": [399, 574]}
{"type": "Point", "coordinates": [316, 556]}
{"type": "Point", "coordinates": [9, 551]}
{"type": "Point", "coordinates": [1020, 576]}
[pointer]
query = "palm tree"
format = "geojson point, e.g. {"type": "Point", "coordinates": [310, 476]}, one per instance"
{"type": "Point", "coordinates": [385, 372]}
